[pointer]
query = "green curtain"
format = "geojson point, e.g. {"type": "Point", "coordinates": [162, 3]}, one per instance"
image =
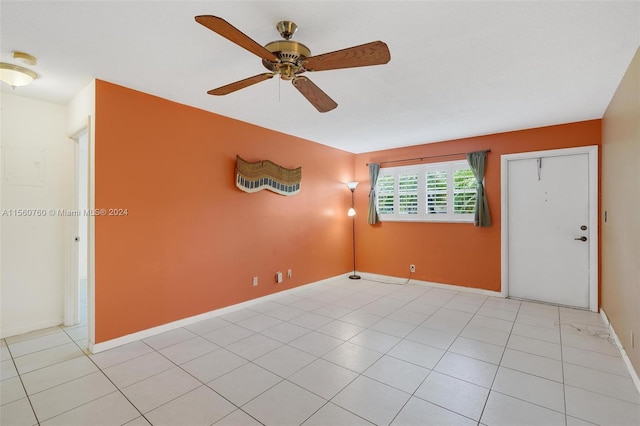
{"type": "Point", "coordinates": [374, 170]}
{"type": "Point", "coordinates": [477, 161]}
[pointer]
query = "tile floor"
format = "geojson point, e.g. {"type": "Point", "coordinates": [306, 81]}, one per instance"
{"type": "Point", "coordinates": [341, 353]}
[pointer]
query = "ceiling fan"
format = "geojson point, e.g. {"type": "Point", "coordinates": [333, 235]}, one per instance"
{"type": "Point", "coordinates": [289, 59]}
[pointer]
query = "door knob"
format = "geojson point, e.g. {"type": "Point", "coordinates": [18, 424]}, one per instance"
{"type": "Point", "coordinates": [581, 239]}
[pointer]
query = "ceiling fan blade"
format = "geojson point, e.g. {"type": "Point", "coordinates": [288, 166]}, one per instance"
{"type": "Point", "coordinates": [241, 84]}
{"type": "Point", "coordinates": [374, 53]}
{"type": "Point", "coordinates": [231, 33]}
{"type": "Point", "coordinates": [314, 94]}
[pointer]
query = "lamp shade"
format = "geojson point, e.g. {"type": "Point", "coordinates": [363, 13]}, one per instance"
{"type": "Point", "coordinates": [15, 75]}
{"type": "Point", "coordinates": [351, 212]}
{"type": "Point", "coordinates": [352, 185]}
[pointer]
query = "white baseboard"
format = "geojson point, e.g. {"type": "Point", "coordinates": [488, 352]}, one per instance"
{"type": "Point", "coordinates": [625, 357]}
{"type": "Point", "coordinates": [395, 280]}
{"type": "Point", "coordinates": [129, 338]}
{"type": "Point", "coordinates": [27, 328]}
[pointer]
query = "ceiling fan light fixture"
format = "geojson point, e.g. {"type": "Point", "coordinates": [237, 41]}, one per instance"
{"type": "Point", "coordinates": [15, 75]}
{"type": "Point", "coordinates": [24, 58]}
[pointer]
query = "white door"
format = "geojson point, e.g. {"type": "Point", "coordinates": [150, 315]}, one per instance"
{"type": "Point", "coordinates": [549, 227]}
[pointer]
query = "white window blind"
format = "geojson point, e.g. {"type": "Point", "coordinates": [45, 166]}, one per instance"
{"type": "Point", "coordinates": [385, 194]}
{"type": "Point", "coordinates": [464, 191]}
{"type": "Point", "coordinates": [435, 192]}
{"type": "Point", "coordinates": [436, 189]}
{"type": "Point", "coordinates": [408, 194]}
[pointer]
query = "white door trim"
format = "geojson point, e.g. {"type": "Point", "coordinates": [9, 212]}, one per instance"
{"type": "Point", "coordinates": [592, 152]}
{"type": "Point", "coordinates": [71, 276]}
{"type": "Point", "coordinates": [71, 247]}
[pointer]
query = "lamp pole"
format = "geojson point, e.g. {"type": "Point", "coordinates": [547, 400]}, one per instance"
{"type": "Point", "coordinates": [352, 212]}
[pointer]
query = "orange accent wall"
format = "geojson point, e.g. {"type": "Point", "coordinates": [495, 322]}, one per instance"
{"type": "Point", "coordinates": [451, 253]}
{"type": "Point", "coordinates": [192, 241]}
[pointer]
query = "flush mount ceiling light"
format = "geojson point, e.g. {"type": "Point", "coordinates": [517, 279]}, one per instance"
{"type": "Point", "coordinates": [15, 75]}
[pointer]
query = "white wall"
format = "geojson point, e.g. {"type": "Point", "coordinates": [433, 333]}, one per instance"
{"type": "Point", "coordinates": [80, 108]}
{"type": "Point", "coordinates": [33, 248]}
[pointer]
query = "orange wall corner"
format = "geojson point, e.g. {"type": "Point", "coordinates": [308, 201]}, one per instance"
{"type": "Point", "coordinates": [454, 253]}
{"type": "Point", "coordinates": [191, 241]}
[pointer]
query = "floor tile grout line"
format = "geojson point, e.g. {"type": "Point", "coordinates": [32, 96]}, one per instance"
{"type": "Point", "coordinates": [330, 402]}
{"type": "Point", "coordinates": [85, 403]}
{"type": "Point", "coordinates": [61, 383]}
{"type": "Point", "coordinates": [401, 339]}
{"type": "Point", "coordinates": [531, 374]}
{"type": "Point", "coordinates": [205, 384]}
{"type": "Point", "coordinates": [535, 338]}
{"type": "Point", "coordinates": [288, 344]}
{"type": "Point", "coordinates": [327, 401]}
{"type": "Point", "coordinates": [588, 350]}
{"type": "Point", "coordinates": [47, 366]}
{"type": "Point", "coordinates": [358, 374]}
{"type": "Point", "coordinates": [445, 408]}
{"type": "Point", "coordinates": [58, 327]}
{"type": "Point", "coordinates": [23, 386]}
{"type": "Point", "coordinates": [240, 409]}
{"type": "Point", "coordinates": [484, 407]}
{"type": "Point", "coordinates": [626, 375]}
{"type": "Point", "coordinates": [529, 402]}
{"type": "Point", "coordinates": [564, 386]}
{"type": "Point", "coordinates": [413, 394]}
{"type": "Point", "coordinates": [51, 365]}
{"type": "Point", "coordinates": [602, 394]}
{"type": "Point", "coordinates": [361, 374]}
{"type": "Point", "coordinates": [179, 396]}
{"type": "Point", "coordinates": [504, 349]}
{"type": "Point", "coordinates": [282, 379]}
{"type": "Point", "coordinates": [114, 385]}
{"type": "Point", "coordinates": [531, 353]}
{"type": "Point", "coordinates": [121, 362]}
{"type": "Point", "coordinates": [47, 348]}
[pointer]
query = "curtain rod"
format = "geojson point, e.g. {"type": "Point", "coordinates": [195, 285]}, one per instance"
{"type": "Point", "coordinates": [427, 157]}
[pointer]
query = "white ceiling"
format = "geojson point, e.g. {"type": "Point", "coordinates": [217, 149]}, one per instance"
{"type": "Point", "coordinates": [457, 69]}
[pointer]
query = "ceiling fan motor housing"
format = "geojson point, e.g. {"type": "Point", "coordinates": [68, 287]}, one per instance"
{"type": "Point", "coordinates": [291, 54]}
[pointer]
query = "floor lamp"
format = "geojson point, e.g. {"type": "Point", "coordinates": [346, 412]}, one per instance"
{"type": "Point", "coordinates": [352, 213]}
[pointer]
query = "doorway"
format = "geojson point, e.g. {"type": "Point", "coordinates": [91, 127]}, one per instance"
{"type": "Point", "coordinates": [549, 227]}
{"type": "Point", "coordinates": [82, 197]}
{"type": "Point", "coordinates": [76, 307]}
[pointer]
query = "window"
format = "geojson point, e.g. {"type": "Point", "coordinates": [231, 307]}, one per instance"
{"type": "Point", "coordinates": [436, 192]}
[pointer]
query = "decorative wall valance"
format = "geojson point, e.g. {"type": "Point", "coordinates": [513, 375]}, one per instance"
{"type": "Point", "coordinates": [253, 177]}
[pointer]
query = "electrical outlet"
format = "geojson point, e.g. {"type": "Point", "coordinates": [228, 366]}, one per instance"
{"type": "Point", "coordinates": [255, 281]}
{"type": "Point", "coordinates": [278, 277]}
{"type": "Point", "coordinates": [412, 268]}
{"type": "Point", "coordinates": [289, 273]}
